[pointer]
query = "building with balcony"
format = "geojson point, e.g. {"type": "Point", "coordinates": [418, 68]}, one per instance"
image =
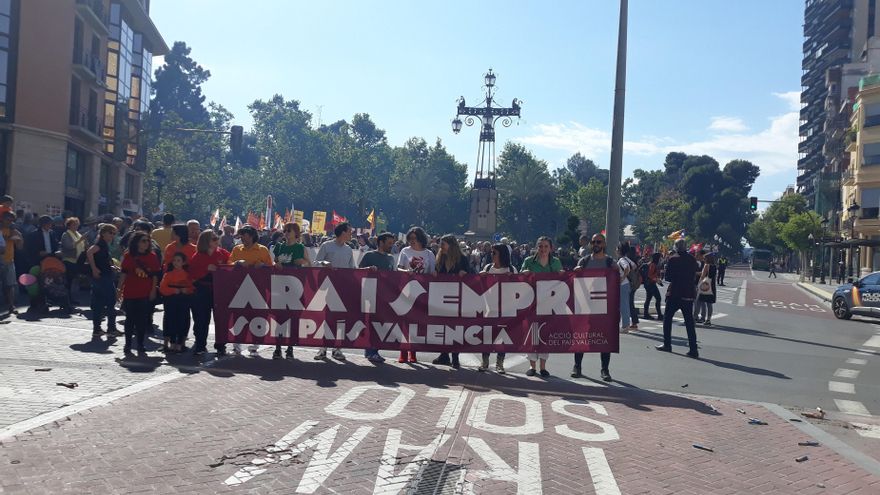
{"type": "Point", "coordinates": [74, 86]}
{"type": "Point", "coordinates": [861, 185]}
{"type": "Point", "coordinates": [836, 41]}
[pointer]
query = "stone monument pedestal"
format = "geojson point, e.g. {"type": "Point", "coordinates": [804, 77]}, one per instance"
{"type": "Point", "coordinates": [483, 219]}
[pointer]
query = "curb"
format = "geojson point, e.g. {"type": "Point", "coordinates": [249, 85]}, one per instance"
{"type": "Point", "coordinates": [824, 295]}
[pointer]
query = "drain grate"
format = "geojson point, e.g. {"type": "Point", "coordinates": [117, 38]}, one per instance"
{"type": "Point", "coordinates": [439, 478]}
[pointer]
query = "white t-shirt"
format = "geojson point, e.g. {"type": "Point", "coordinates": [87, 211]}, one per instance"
{"type": "Point", "coordinates": [417, 261]}
{"type": "Point", "coordinates": [625, 265]}
{"type": "Point", "coordinates": [498, 271]}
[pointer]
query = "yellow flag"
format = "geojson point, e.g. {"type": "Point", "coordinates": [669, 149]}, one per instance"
{"type": "Point", "coordinates": [298, 218]}
{"type": "Point", "coordinates": [318, 219]}
{"type": "Point", "coordinates": [372, 219]}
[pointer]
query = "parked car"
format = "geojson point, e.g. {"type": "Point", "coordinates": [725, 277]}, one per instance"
{"type": "Point", "coordinates": [861, 297]}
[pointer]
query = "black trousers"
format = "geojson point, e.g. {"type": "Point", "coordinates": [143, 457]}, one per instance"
{"type": "Point", "coordinates": [176, 318]}
{"type": "Point", "coordinates": [687, 310]}
{"type": "Point", "coordinates": [633, 312]}
{"type": "Point", "coordinates": [721, 271]}
{"type": "Point", "coordinates": [138, 321]}
{"type": "Point", "coordinates": [202, 308]}
{"type": "Point", "coordinates": [604, 357]}
{"type": "Point", "coordinates": [652, 291]}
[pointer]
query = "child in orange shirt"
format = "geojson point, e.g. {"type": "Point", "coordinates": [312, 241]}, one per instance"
{"type": "Point", "coordinates": [177, 290]}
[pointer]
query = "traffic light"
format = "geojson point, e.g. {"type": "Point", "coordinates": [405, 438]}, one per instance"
{"type": "Point", "coordinates": [753, 203]}
{"type": "Point", "coordinates": [235, 141]}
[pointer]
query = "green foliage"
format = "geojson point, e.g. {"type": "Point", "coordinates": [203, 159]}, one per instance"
{"type": "Point", "coordinates": [797, 230]}
{"type": "Point", "coordinates": [589, 203]}
{"type": "Point", "coordinates": [177, 89]}
{"type": "Point", "coordinates": [764, 232]}
{"type": "Point", "coordinates": [526, 194]}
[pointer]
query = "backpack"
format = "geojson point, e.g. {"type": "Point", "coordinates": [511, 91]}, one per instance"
{"type": "Point", "coordinates": [635, 280]}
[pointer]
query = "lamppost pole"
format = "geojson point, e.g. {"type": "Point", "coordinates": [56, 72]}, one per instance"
{"type": "Point", "coordinates": [822, 252]}
{"type": "Point", "coordinates": [612, 218]}
{"type": "Point", "coordinates": [852, 209]}
{"type": "Point", "coordinates": [812, 239]}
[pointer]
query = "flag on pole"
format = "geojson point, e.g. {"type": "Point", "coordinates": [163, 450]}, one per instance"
{"type": "Point", "coordinates": [253, 220]}
{"type": "Point", "coordinates": [372, 219]}
{"type": "Point", "coordinates": [279, 222]}
{"type": "Point", "coordinates": [269, 217]}
{"type": "Point", "coordinates": [337, 219]}
{"type": "Point", "coordinates": [261, 222]}
{"type": "Point", "coordinates": [215, 217]}
{"type": "Point", "coordinates": [237, 223]}
{"type": "Point", "coordinates": [288, 216]}
{"type": "Point", "coordinates": [222, 224]}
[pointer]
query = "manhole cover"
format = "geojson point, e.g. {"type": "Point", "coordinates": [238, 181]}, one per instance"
{"type": "Point", "coordinates": [439, 478]}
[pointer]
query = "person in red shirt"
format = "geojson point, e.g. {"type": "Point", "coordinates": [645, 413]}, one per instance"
{"type": "Point", "coordinates": [202, 266]}
{"type": "Point", "coordinates": [137, 287]}
{"type": "Point", "coordinates": [176, 289]}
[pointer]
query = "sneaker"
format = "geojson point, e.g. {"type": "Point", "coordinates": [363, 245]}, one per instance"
{"type": "Point", "coordinates": [127, 352]}
{"type": "Point", "coordinates": [531, 372]}
{"type": "Point", "coordinates": [221, 353]}
{"type": "Point", "coordinates": [693, 354]}
{"type": "Point", "coordinates": [289, 354]}
{"type": "Point", "coordinates": [375, 358]}
{"type": "Point", "coordinates": [545, 373]}
{"type": "Point", "coordinates": [576, 372]}
{"type": "Point", "coordinates": [115, 333]}
{"type": "Point", "coordinates": [276, 354]}
{"type": "Point", "coordinates": [455, 363]}
{"type": "Point", "coordinates": [322, 354]}
{"type": "Point", "coordinates": [442, 359]}
{"type": "Point", "coordinates": [499, 366]}
{"type": "Point", "coordinates": [338, 355]}
{"type": "Point", "coordinates": [142, 353]}
{"type": "Point", "coordinates": [708, 323]}
{"type": "Point", "coordinates": [606, 375]}
{"type": "Point", "coordinates": [663, 348]}
{"type": "Point", "coordinates": [484, 365]}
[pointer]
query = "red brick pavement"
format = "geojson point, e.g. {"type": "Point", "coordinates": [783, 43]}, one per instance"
{"type": "Point", "coordinates": [225, 430]}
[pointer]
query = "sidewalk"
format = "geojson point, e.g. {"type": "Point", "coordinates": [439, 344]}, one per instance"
{"type": "Point", "coordinates": [251, 425]}
{"type": "Point", "coordinates": [823, 291]}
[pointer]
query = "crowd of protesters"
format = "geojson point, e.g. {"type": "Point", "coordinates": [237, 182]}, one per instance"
{"type": "Point", "coordinates": [142, 264]}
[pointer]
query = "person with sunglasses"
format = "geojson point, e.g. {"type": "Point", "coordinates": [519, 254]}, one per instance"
{"type": "Point", "coordinates": [209, 255]}
{"type": "Point", "coordinates": [542, 262]}
{"type": "Point", "coordinates": [500, 265]}
{"type": "Point", "coordinates": [597, 259]}
{"type": "Point", "coordinates": [289, 253]}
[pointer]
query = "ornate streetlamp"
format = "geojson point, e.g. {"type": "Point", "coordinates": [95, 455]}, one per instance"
{"type": "Point", "coordinates": [824, 224]}
{"type": "Point", "coordinates": [484, 197]}
{"type": "Point", "coordinates": [852, 209]}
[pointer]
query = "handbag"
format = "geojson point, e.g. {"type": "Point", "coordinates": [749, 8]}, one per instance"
{"type": "Point", "coordinates": [705, 287]}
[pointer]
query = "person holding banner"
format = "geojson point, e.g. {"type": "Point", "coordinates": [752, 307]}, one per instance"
{"type": "Point", "coordinates": [337, 254]}
{"type": "Point", "coordinates": [289, 253]}
{"type": "Point", "coordinates": [380, 259]}
{"type": "Point", "coordinates": [176, 289]}
{"type": "Point", "coordinates": [415, 258]}
{"type": "Point", "coordinates": [137, 286]}
{"type": "Point", "coordinates": [598, 259]}
{"type": "Point", "coordinates": [500, 265]}
{"type": "Point", "coordinates": [253, 254]}
{"type": "Point", "coordinates": [451, 261]}
{"type": "Point", "coordinates": [202, 266]}
{"type": "Point", "coordinates": [542, 262]}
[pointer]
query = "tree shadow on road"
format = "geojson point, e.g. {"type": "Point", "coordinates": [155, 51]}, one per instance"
{"type": "Point", "coordinates": [335, 374]}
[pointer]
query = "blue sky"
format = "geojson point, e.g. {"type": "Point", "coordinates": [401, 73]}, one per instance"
{"type": "Point", "coordinates": [703, 76]}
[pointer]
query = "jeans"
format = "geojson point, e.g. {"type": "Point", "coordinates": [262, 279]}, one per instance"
{"type": "Point", "coordinates": [705, 310]}
{"type": "Point", "coordinates": [687, 310]}
{"type": "Point", "coordinates": [652, 291]}
{"type": "Point", "coordinates": [176, 318]}
{"type": "Point", "coordinates": [202, 305]}
{"type": "Point", "coordinates": [604, 358]}
{"type": "Point", "coordinates": [103, 301]}
{"type": "Point", "coordinates": [138, 320]}
{"type": "Point", "coordinates": [625, 305]}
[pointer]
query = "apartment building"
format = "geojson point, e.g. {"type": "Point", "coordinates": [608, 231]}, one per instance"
{"type": "Point", "coordinates": [74, 87]}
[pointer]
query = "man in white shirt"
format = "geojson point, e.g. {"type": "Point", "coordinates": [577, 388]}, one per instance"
{"type": "Point", "coordinates": [337, 254]}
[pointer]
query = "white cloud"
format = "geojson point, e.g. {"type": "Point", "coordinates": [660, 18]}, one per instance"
{"type": "Point", "coordinates": [728, 124]}
{"type": "Point", "coordinates": [773, 149]}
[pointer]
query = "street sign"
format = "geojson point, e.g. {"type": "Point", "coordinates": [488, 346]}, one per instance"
{"type": "Point", "coordinates": [496, 237]}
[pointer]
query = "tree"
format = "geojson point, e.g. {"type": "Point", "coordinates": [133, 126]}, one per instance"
{"type": "Point", "coordinates": [797, 231]}
{"type": "Point", "coordinates": [526, 193]}
{"type": "Point", "coordinates": [669, 214]}
{"type": "Point", "coordinates": [589, 203]}
{"type": "Point", "coordinates": [764, 232]}
{"type": "Point", "coordinates": [177, 89]}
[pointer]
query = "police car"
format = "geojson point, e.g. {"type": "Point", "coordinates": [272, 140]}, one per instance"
{"type": "Point", "coordinates": [861, 297]}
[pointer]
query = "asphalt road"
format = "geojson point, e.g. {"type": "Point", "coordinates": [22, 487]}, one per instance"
{"type": "Point", "coordinates": [782, 346]}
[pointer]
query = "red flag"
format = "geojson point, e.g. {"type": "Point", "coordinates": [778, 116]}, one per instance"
{"type": "Point", "coordinates": [262, 224]}
{"type": "Point", "coordinates": [253, 220]}
{"type": "Point", "coordinates": [337, 219]}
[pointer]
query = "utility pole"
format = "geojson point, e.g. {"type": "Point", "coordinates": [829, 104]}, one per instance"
{"type": "Point", "coordinates": [612, 219]}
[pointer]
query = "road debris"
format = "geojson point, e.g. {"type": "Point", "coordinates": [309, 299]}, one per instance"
{"type": "Point", "coordinates": [796, 420]}
{"type": "Point", "coordinates": [70, 385]}
{"type": "Point", "coordinates": [684, 386]}
{"type": "Point", "coordinates": [809, 443]}
{"type": "Point", "coordinates": [756, 421]}
{"type": "Point", "coordinates": [42, 369]}
{"type": "Point", "coordinates": [818, 414]}
{"type": "Point", "coordinates": [801, 458]}
{"type": "Point", "coordinates": [740, 411]}
{"type": "Point", "coordinates": [700, 447]}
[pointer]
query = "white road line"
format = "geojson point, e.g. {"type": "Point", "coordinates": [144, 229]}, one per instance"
{"type": "Point", "coordinates": [866, 430]}
{"type": "Point", "coordinates": [741, 301]}
{"type": "Point", "coordinates": [873, 341]}
{"type": "Point", "coordinates": [50, 417]}
{"type": "Point", "coordinates": [858, 361]}
{"type": "Point", "coordinates": [841, 387]}
{"type": "Point", "coordinates": [851, 407]}
{"type": "Point", "coordinates": [847, 373]}
{"type": "Point", "coordinates": [597, 465]}
{"type": "Point", "coordinates": [866, 352]}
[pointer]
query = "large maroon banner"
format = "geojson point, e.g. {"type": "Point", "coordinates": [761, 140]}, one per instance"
{"type": "Point", "coordinates": [570, 312]}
